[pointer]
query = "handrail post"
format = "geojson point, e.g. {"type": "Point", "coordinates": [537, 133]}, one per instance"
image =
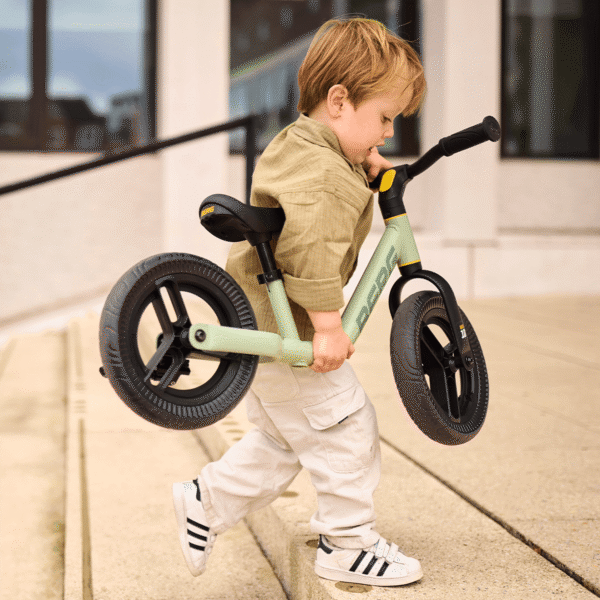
{"type": "Point", "coordinates": [250, 153]}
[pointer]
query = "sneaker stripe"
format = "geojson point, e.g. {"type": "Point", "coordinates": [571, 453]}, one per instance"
{"type": "Point", "coordinates": [383, 569]}
{"type": "Point", "coordinates": [358, 560]}
{"type": "Point", "coordinates": [195, 482]}
{"type": "Point", "coordinates": [370, 565]}
{"type": "Point", "coordinates": [203, 527]}
{"type": "Point", "coordinates": [197, 536]}
{"type": "Point", "coordinates": [196, 547]}
{"type": "Point", "coordinates": [323, 546]}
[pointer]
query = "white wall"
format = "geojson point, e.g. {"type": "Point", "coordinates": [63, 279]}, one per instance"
{"type": "Point", "coordinates": [549, 197]}
{"type": "Point", "coordinates": [461, 58]}
{"type": "Point", "coordinates": [193, 94]}
{"type": "Point", "coordinates": [66, 243]}
{"type": "Point", "coordinates": [493, 226]}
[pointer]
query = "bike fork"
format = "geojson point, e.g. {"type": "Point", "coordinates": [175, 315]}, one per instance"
{"type": "Point", "coordinates": [458, 329]}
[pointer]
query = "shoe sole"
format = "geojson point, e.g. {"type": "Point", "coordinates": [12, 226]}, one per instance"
{"type": "Point", "coordinates": [180, 515]}
{"type": "Point", "coordinates": [349, 577]}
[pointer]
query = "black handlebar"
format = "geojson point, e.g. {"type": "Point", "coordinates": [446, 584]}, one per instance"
{"type": "Point", "coordinates": [487, 130]}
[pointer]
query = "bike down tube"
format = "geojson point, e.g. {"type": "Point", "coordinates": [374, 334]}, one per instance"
{"type": "Point", "coordinates": [396, 247]}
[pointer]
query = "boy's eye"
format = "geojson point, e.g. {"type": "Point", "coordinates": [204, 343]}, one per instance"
{"type": "Point", "coordinates": [385, 120]}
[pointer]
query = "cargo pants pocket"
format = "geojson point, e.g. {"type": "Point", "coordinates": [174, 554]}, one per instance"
{"type": "Point", "coordinates": [346, 426]}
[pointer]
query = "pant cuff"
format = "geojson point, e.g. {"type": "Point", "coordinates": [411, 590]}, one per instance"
{"type": "Point", "coordinates": [214, 521]}
{"type": "Point", "coordinates": [354, 542]}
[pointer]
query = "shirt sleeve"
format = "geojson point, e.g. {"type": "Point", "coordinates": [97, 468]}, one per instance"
{"type": "Point", "coordinates": [319, 229]}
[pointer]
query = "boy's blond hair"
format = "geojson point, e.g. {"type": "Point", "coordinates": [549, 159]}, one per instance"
{"type": "Point", "coordinates": [362, 55]}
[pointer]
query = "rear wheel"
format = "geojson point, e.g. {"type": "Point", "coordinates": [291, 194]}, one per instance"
{"type": "Point", "coordinates": [144, 347]}
{"type": "Point", "coordinates": [446, 401]}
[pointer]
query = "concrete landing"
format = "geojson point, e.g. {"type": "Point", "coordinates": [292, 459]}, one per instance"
{"type": "Point", "coordinates": [85, 484]}
{"type": "Point", "coordinates": [531, 467]}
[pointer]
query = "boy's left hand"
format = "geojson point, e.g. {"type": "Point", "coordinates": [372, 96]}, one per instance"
{"type": "Point", "coordinates": [375, 163]}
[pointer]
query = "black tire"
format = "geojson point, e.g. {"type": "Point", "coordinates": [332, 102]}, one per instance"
{"type": "Point", "coordinates": [143, 347]}
{"type": "Point", "coordinates": [447, 405]}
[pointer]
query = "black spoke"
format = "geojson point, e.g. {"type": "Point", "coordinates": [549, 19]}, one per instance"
{"type": "Point", "coordinates": [450, 349]}
{"type": "Point", "coordinates": [214, 355]}
{"type": "Point", "coordinates": [162, 315]}
{"type": "Point", "coordinates": [437, 361]}
{"type": "Point", "coordinates": [183, 319]}
{"type": "Point", "coordinates": [452, 395]}
{"type": "Point", "coordinates": [439, 385]}
{"type": "Point", "coordinates": [432, 350]}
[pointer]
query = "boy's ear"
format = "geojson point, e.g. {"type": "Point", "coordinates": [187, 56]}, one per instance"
{"type": "Point", "coordinates": [337, 95]}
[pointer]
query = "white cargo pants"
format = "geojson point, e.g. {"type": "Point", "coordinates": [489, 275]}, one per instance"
{"type": "Point", "coordinates": [323, 422]}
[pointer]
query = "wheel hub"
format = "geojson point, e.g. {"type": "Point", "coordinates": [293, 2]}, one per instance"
{"type": "Point", "coordinates": [179, 350]}
{"type": "Point", "coordinates": [451, 364]}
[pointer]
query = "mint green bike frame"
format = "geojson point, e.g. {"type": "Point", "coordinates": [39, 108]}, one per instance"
{"type": "Point", "coordinates": [396, 247]}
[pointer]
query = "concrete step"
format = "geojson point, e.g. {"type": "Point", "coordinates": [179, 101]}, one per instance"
{"type": "Point", "coordinates": [32, 433]}
{"type": "Point", "coordinates": [121, 534]}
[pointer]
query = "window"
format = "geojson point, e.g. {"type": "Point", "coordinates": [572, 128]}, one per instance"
{"type": "Point", "coordinates": [77, 76]}
{"type": "Point", "coordinates": [550, 78]}
{"type": "Point", "coordinates": [269, 39]}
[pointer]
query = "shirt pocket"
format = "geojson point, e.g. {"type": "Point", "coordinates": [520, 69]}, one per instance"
{"type": "Point", "coordinates": [345, 426]}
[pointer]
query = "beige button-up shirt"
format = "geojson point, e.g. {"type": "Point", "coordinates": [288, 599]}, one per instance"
{"type": "Point", "coordinates": [328, 213]}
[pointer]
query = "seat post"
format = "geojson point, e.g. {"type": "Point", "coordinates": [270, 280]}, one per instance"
{"type": "Point", "coordinates": [261, 241]}
{"type": "Point", "coordinates": [273, 278]}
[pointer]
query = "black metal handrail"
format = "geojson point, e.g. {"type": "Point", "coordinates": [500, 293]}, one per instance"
{"type": "Point", "coordinates": [249, 123]}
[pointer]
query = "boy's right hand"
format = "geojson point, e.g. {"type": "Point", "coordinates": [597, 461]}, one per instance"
{"type": "Point", "coordinates": [331, 345]}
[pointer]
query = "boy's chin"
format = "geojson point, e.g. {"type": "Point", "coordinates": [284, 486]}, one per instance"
{"type": "Point", "coordinates": [363, 157]}
{"type": "Point", "coordinates": [359, 157]}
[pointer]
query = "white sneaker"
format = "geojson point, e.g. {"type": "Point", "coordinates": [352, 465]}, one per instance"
{"type": "Point", "coordinates": [381, 564]}
{"type": "Point", "coordinates": [195, 535]}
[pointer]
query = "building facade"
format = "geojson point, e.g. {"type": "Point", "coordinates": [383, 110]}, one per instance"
{"type": "Point", "coordinates": [514, 218]}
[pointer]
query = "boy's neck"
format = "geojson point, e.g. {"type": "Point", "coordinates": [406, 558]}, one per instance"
{"type": "Point", "coordinates": [321, 114]}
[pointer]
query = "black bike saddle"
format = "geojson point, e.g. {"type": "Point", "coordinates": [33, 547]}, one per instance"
{"type": "Point", "coordinates": [233, 221]}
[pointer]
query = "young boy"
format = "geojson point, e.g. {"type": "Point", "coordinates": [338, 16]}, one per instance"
{"type": "Point", "coordinates": [356, 78]}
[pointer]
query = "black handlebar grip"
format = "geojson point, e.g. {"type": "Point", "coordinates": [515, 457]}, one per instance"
{"type": "Point", "coordinates": [487, 130]}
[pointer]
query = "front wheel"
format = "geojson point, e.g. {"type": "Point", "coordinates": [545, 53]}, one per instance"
{"type": "Point", "coordinates": [144, 348]}
{"type": "Point", "coordinates": [446, 401]}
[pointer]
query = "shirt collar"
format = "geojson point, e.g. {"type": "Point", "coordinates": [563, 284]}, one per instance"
{"type": "Point", "coordinates": [318, 133]}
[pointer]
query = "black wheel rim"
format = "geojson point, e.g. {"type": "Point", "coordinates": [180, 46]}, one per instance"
{"type": "Point", "coordinates": [452, 386]}
{"type": "Point", "coordinates": [172, 349]}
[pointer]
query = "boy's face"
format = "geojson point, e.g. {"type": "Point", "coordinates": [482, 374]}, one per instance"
{"type": "Point", "coordinates": [370, 124]}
